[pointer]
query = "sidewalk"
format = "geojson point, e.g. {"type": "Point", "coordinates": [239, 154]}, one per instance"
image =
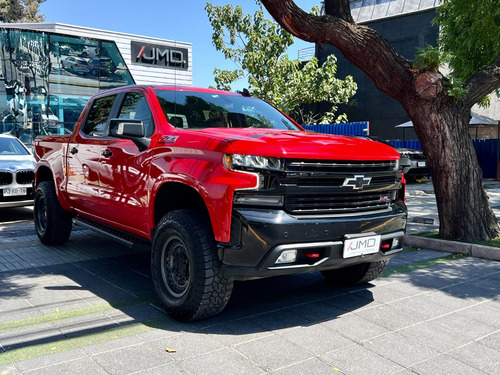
{"type": "Point", "coordinates": [423, 217]}
{"type": "Point", "coordinates": [88, 307]}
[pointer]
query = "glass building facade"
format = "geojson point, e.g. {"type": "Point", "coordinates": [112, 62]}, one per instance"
{"type": "Point", "coordinates": [46, 79]}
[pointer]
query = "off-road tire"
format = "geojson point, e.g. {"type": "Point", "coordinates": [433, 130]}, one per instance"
{"type": "Point", "coordinates": [357, 274]}
{"type": "Point", "coordinates": [53, 225]}
{"type": "Point", "coordinates": [185, 268]}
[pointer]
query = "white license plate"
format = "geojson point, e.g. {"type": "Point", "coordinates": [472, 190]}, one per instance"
{"type": "Point", "coordinates": [14, 192]}
{"type": "Point", "coordinates": [421, 164]}
{"type": "Point", "coordinates": [355, 247]}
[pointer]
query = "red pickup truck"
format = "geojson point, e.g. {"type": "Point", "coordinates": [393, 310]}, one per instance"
{"type": "Point", "coordinates": [224, 187]}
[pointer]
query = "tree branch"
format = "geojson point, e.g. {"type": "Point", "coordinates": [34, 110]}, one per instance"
{"type": "Point", "coordinates": [483, 82]}
{"type": "Point", "coordinates": [361, 46]}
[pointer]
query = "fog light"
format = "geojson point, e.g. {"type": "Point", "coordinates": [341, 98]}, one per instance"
{"type": "Point", "coordinates": [287, 256]}
{"type": "Point", "coordinates": [395, 243]}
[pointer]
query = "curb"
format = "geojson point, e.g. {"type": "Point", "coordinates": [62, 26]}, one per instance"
{"type": "Point", "coordinates": [478, 251]}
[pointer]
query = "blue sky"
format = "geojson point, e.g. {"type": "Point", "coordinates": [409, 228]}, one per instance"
{"type": "Point", "coordinates": [181, 20]}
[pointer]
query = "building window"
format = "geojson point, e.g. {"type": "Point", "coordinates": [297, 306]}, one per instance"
{"type": "Point", "coordinates": [46, 80]}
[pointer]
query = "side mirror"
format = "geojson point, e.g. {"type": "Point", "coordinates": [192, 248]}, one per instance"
{"type": "Point", "coordinates": [126, 128]}
{"type": "Point", "coordinates": [129, 129]}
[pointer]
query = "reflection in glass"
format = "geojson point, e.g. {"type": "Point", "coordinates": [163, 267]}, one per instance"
{"type": "Point", "coordinates": [46, 80]}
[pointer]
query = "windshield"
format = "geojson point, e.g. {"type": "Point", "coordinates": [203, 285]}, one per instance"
{"type": "Point", "coordinates": [200, 110]}
{"type": "Point", "coordinates": [11, 146]}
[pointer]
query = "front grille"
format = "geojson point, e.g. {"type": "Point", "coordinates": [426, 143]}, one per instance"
{"type": "Point", "coordinates": [320, 187]}
{"type": "Point", "coordinates": [340, 166]}
{"type": "Point", "coordinates": [5, 178]}
{"type": "Point", "coordinates": [338, 204]}
{"type": "Point", "coordinates": [24, 177]}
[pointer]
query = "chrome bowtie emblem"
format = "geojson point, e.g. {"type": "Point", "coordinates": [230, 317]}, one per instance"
{"type": "Point", "coordinates": [357, 182]}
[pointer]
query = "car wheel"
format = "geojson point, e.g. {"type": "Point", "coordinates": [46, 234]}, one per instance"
{"type": "Point", "coordinates": [185, 268]}
{"type": "Point", "coordinates": [53, 225]}
{"type": "Point", "coordinates": [357, 274]}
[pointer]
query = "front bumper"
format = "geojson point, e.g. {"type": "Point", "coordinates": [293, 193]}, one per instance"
{"type": "Point", "coordinates": [259, 236]}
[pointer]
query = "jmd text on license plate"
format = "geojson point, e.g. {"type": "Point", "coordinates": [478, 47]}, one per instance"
{"type": "Point", "coordinates": [354, 247]}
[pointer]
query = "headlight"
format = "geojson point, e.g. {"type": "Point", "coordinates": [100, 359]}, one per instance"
{"type": "Point", "coordinates": [251, 162]}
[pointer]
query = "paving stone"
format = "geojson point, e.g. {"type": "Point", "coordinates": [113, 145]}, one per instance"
{"type": "Point", "coordinates": [445, 365]}
{"type": "Point", "coordinates": [9, 370]}
{"type": "Point", "coordinates": [168, 369]}
{"type": "Point", "coordinates": [280, 320]}
{"type": "Point", "coordinates": [469, 328]}
{"type": "Point", "coordinates": [380, 294]}
{"type": "Point", "coordinates": [399, 349]}
{"type": "Point", "coordinates": [317, 339]}
{"type": "Point", "coordinates": [483, 312]}
{"type": "Point", "coordinates": [223, 361]}
{"type": "Point", "coordinates": [352, 301]}
{"type": "Point", "coordinates": [50, 360]}
{"type": "Point", "coordinates": [85, 325]}
{"type": "Point", "coordinates": [421, 306]}
{"type": "Point", "coordinates": [29, 336]}
{"type": "Point", "coordinates": [16, 309]}
{"type": "Point", "coordinates": [131, 359]}
{"type": "Point", "coordinates": [429, 334]}
{"type": "Point", "coordinates": [237, 332]}
{"type": "Point", "coordinates": [112, 345]}
{"type": "Point", "coordinates": [356, 328]}
{"type": "Point", "coordinates": [78, 366]}
{"type": "Point", "coordinates": [360, 360]}
{"type": "Point", "coordinates": [310, 366]}
{"type": "Point", "coordinates": [389, 317]}
{"type": "Point", "coordinates": [187, 345]}
{"type": "Point", "coordinates": [318, 311]}
{"type": "Point", "coordinates": [492, 341]}
{"type": "Point", "coordinates": [478, 356]}
{"type": "Point", "coordinates": [272, 353]}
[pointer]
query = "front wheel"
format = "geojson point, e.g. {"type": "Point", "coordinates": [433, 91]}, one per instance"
{"type": "Point", "coordinates": [53, 225]}
{"type": "Point", "coordinates": [186, 271]}
{"type": "Point", "coordinates": [357, 274]}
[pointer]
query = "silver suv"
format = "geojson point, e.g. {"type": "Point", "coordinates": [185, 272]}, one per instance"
{"type": "Point", "coordinates": [16, 173]}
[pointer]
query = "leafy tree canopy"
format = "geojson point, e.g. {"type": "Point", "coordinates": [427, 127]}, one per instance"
{"type": "Point", "coordinates": [469, 34]}
{"type": "Point", "coordinates": [19, 11]}
{"type": "Point", "coordinates": [258, 48]}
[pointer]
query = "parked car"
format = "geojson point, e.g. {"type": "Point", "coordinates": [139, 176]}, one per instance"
{"type": "Point", "coordinates": [102, 66]}
{"type": "Point", "coordinates": [412, 162]}
{"type": "Point", "coordinates": [16, 173]}
{"type": "Point", "coordinates": [76, 65]}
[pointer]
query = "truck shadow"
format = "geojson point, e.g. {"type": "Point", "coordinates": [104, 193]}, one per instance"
{"type": "Point", "coordinates": [82, 298]}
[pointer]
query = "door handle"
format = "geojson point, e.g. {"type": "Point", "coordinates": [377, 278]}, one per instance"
{"type": "Point", "coordinates": [106, 153]}
{"type": "Point", "coordinates": [74, 150]}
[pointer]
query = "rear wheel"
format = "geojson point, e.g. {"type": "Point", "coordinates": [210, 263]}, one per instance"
{"type": "Point", "coordinates": [53, 225]}
{"type": "Point", "coordinates": [357, 274]}
{"type": "Point", "coordinates": [186, 271]}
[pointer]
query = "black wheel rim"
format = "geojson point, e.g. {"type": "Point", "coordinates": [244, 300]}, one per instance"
{"type": "Point", "coordinates": [175, 267]}
{"type": "Point", "coordinates": [41, 214]}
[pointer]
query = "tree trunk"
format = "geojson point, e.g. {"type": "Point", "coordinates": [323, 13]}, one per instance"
{"type": "Point", "coordinates": [463, 207]}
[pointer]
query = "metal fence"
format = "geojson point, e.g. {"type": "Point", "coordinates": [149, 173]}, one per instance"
{"type": "Point", "coordinates": [346, 128]}
{"type": "Point", "coordinates": [487, 150]}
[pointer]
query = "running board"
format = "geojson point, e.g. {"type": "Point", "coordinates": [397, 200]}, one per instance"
{"type": "Point", "coordinates": [116, 234]}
